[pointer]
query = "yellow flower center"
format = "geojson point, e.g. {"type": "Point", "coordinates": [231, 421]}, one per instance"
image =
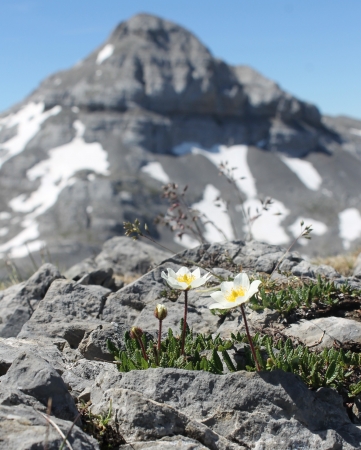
{"type": "Point", "coordinates": [234, 294]}
{"type": "Point", "coordinates": [186, 278]}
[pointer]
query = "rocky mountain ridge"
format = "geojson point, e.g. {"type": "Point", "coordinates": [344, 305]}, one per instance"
{"type": "Point", "coordinates": [91, 147]}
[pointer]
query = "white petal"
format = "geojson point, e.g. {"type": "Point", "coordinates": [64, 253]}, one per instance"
{"type": "Point", "coordinates": [208, 276]}
{"type": "Point", "coordinates": [253, 288]}
{"type": "Point", "coordinates": [241, 281]}
{"type": "Point", "coordinates": [221, 306]}
{"type": "Point", "coordinates": [198, 282]}
{"type": "Point", "coordinates": [171, 273]}
{"type": "Point", "coordinates": [183, 271]}
{"type": "Point", "coordinates": [226, 287]}
{"type": "Point", "coordinates": [242, 300]}
{"type": "Point", "coordinates": [177, 284]}
{"type": "Point", "coordinates": [164, 275]}
{"type": "Point", "coordinates": [197, 273]}
{"type": "Point", "coordinates": [219, 297]}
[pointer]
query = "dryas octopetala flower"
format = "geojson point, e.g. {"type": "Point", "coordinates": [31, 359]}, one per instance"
{"type": "Point", "coordinates": [184, 279]}
{"type": "Point", "coordinates": [160, 311]}
{"type": "Point", "coordinates": [234, 293]}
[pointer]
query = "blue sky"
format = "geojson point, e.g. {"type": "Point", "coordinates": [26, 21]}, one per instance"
{"type": "Point", "coordinates": [312, 48]}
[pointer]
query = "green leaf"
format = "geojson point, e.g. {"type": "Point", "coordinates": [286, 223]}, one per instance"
{"type": "Point", "coordinates": [228, 361]}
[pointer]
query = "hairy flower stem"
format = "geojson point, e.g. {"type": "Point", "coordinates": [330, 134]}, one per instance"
{"type": "Point", "coordinates": [250, 340]}
{"type": "Point", "coordinates": [159, 336]}
{"type": "Point", "coordinates": [142, 347]}
{"type": "Point", "coordinates": [184, 320]}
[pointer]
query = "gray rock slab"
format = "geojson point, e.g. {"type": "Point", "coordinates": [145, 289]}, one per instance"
{"type": "Point", "coordinates": [47, 349]}
{"type": "Point", "coordinates": [123, 256]}
{"type": "Point", "coordinates": [263, 318]}
{"type": "Point", "coordinates": [140, 419]}
{"type": "Point", "coordinates": [94, 343]}
{"type": "Point", "coordinates": [268, 410]}
{"type": "Point", "coordinates": [166, 443]}
{"type": "Point", "coordinates": [67, 311]}
{"type": "Point", "coordinates": [23, 428]}
{"type": "Point", "coordinates": [18, 303]}
{"type": "Point", "coordinates": [321, 333]}
{"type": "Point", "coordinates": [34, 377]}
{"type": "Point", "coordinates": [306, 269]}
{"type": "Point", "coordinates": [81, 375]}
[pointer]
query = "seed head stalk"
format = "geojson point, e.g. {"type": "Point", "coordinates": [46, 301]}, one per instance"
{"type": "Point", "coordinates": [250, 340]}
{"type": "Point", "coordinates": [143, 349]}
{"type": "Point", "coordinates": [159, 336]}
{"type": "Point", "coordinates": [184, 320]}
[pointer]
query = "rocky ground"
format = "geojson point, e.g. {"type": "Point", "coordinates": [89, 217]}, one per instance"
{"type": "Point", "coordinates": [54, 329]}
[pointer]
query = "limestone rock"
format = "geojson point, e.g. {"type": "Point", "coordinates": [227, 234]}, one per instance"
{"type": "Point", "coordinates": [81, 375]}
{"type": "Point", "coordinates": [22, 428]}
{"type": "Point", "coordinates": [123, 256]}
{"type": "Point", "coordinates": [321, 333]}
{"type": "Point", "coordinates": [67, 311]}
{"type": "Point", "coordinates": [47, 349]}
{"type": "Point", "coordinates": [17, 303]}
{"type": "Point", "coordinates": [242, 410]}
{"type": "Point", "coordinates": [94, 343]}
{"type": "Point", "coordinates": [34, 377]}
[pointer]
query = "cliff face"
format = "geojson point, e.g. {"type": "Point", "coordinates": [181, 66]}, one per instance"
{"type": "Point", "coordinates": [92, 145]}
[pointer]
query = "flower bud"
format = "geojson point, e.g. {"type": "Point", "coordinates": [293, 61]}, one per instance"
{"type": "Point", "coordinates": [136, 333]}
{"type": "Point", "coordinates": [160, 312]}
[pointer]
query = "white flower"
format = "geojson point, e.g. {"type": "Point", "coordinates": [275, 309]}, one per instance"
{"type": "Point", "coordinates": [234, 293]}
{"type": "Point", "coordinates": [184, 279]}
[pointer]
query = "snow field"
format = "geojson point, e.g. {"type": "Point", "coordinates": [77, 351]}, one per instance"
{"type": "Point", "coordinates": [105, 53]}
{"type": "Point", "coordinates": [304, 171]}
{"type": "Point", "coordinates": [156, 171]}
{"type": "Point", "coordinates": [318, 228]}
{"type": "Point", "coordinates": [267, 227]}
{"type": "Point", "coordinates": [28, 120]}
{"type": "Point", "coordinates": [349, 226]}
{"type": "Point", "coordinates": [55, 173]}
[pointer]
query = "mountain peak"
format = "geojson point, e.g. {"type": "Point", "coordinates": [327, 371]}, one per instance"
{"type": "Point", "coordinates": [145, 23]}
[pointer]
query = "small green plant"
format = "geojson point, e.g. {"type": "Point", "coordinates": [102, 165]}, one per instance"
{"type": "Point", "coordinates": [98, 426]}
{"type": "Point", "coordinates": [328, 368]}
{"type": "Point", "coordinates": [286, 299]}
{"type": "Point", "coordinates": [196, 348]}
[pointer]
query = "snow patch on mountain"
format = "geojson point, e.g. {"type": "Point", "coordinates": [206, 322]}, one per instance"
{"type": "Point", "coordinates": [28, 121]}
{"type": "Point", "coordinates": [349, 226]}
{"type": "Point", "coordinates": [105, 53]}
{"type": "Point", "coordinates": [213, 209]}
{"type": "Point", "coordinates": [4, 215]}
{"type": "Point", "coordinates": [222, 228]}
{"type": "Point", "coordinates": [318, 228]}
{"type": "Point", "coordinates": [55, 173]}
{"type": "Point", "coordinates": [235, 156]}
{"type": "Point", "coordinates": [19, 246]}
{"type": "Point", "coordinates": [304, 171]}
{"type": "Point", "coordinates": [355, 131]}
{"type": "Point", "coordinates": [156, 171]}
{"type": "Point", "coordinates": [267, 227]}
